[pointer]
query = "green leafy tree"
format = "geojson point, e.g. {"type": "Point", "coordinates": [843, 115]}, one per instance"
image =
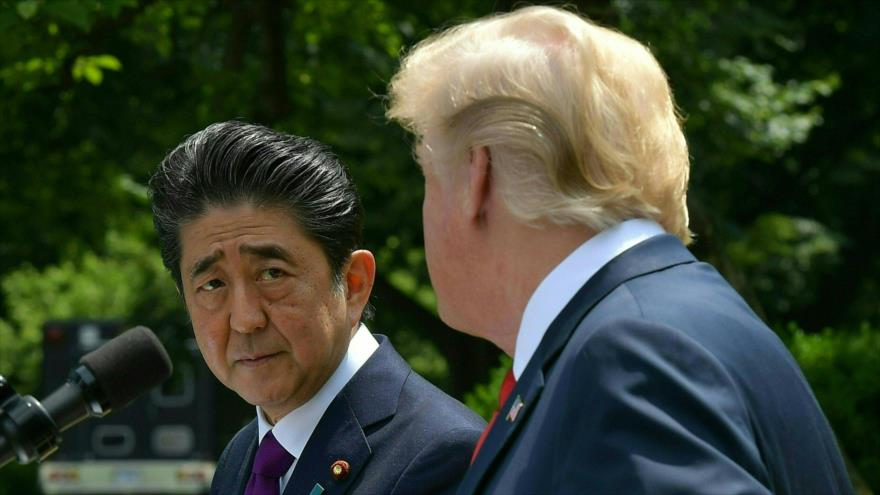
{"type": "Point", "coordinates": [127, 282]}
{"type": "Point", "coordinates": [779, 100]}
{"type": "Point", "coordinates": [842, 368]}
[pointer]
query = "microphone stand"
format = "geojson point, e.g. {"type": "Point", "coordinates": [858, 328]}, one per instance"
{"type": "Point", "coordinates": [27, 431]}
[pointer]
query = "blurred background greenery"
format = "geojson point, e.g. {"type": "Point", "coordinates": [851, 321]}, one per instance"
{"type": "Point", "coordinates": [781, 107]}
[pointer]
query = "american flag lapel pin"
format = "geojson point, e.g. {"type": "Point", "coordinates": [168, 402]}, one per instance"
{"type": "Point", "coordinates": [514, 409]}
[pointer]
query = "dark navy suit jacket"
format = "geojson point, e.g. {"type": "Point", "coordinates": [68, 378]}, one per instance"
{"type": "Point", "coordinates": [398, 433]}
{"type": "Point", "coordinates": [658, 378]}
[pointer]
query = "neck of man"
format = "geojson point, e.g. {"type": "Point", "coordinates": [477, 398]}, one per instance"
{"type": "Point", "coordinates": [525, 256]}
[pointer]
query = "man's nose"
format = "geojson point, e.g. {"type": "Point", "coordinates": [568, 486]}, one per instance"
{"type": "Point", "coordinates": [246, 314]}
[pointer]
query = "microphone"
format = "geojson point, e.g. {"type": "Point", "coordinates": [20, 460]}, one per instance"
{"type": "Point", "coordinates": [107, 379]}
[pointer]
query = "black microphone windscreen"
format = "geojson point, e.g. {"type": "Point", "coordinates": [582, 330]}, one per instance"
{"type": "Point", "coordinates": [128, 365]}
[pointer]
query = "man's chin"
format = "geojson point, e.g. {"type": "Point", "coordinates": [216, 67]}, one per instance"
{"type": "Point", "coordinates": [453, 320]}
{"type": "Point", "coordinates": [272, 407]}
{"type": "Point", "coordinates": [261, 393]}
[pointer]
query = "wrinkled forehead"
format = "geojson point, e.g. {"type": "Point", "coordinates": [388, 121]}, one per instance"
{"type": "Point", "coordinates": [244, 220]}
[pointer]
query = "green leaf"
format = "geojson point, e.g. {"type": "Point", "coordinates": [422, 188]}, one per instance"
{"type": "Point", "coordinates": [108, 62]}
{"type": "Point", "coordinates": [78, 68]}
{"type": "Point", "coordinates": [91, 68]}
{"type": "Point", "coordinates": [93, 74]}
{"type": "Point", "coordinates": [27, 9]}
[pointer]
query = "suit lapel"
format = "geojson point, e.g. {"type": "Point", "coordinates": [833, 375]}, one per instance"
{"type": "Point", "coordinates": [245, 452]}
{"type": "Point", "coordinates": [341, 435]}
{"type": "Point", "coordinates": [338, 437]}
{"type": "Point", "coordinates": [511, 416]}
{"type": "Point", "coordinates": [657, 253]}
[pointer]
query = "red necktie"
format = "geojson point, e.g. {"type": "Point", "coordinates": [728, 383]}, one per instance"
{"type": "Point", "coordinates": [506, 388]}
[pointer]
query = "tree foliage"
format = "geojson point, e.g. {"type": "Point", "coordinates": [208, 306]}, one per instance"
{"type": "Point", "coordinates": [779, 101]}
{"type": "Point", "coordinates": [126, 282]}
{"type": "Point", "coordinates": [842, 368]}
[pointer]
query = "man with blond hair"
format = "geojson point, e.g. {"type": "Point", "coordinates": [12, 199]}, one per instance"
{"type": "Point", "coordinates": [555, 227]}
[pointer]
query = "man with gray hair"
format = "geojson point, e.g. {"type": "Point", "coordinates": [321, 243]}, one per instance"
{"type": "Point", "coordinates": [555, 225]}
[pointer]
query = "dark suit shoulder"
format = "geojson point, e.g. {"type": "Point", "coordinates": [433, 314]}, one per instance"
{"type": "Point", "coordinates": [655, 398]}
{"type": "Point", "coordinates": [432, 404]}
{"type": "Point", "coordinates": [440, 466]}
{"type": "Point", "coordinates": [440, 433]}
{"type": "Point", "coordinates": [420, 439]}
{"type": "Point", "coordinates": [694, 302]}
{"type": "Point", "coordinates": [695, 340]}
{"type": "Point", "coordinates": [411, 400]}
{"type": "Point", "coordinates": [440, 420]}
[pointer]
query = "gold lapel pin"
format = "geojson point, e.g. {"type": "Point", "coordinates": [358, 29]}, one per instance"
{"type": "Point", "coordinates": [340, 470]}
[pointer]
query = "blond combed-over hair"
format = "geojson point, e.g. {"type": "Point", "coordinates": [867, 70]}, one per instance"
{"type": "Point", "coordinates": [579, 119]}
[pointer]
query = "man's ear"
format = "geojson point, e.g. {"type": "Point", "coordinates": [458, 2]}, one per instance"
{"type": "Point", "coordinates": [359, 277]}
{"type": "Point", "coordinates": [479, 183]}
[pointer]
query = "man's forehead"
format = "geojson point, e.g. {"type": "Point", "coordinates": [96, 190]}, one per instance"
{"type": "Point", "coordinates": [262, 250]}
{"type": "Point", "coordinates": [245, 230]}
{"type": "Point", "coordinates": [219, 224]}
{"type": "Point", "coordinates": [200, 243]}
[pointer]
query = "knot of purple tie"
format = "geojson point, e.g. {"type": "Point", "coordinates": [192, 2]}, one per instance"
{"type": "Point", "coordinates": [270, 464]}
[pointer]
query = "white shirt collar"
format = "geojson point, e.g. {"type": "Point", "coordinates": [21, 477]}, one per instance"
{"type": "Point", "coordinates": [563, 282]}
{"type": "Point", "coordinates": [293, 430]}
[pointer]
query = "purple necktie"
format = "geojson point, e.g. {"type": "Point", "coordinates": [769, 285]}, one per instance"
{"type": "Point", "coordinates": [270, 464]}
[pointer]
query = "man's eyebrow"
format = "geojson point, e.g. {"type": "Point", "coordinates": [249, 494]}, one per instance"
{"type": "Point", "coordinates": [202, 265]}
{"type": "Point", "coordinates": [267, 251]}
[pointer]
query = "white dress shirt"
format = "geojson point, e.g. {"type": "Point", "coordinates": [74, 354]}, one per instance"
{"type": "Point", "coordinates": [293, 430]}
{"type": "Point", "coordinates": [563, 282]}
